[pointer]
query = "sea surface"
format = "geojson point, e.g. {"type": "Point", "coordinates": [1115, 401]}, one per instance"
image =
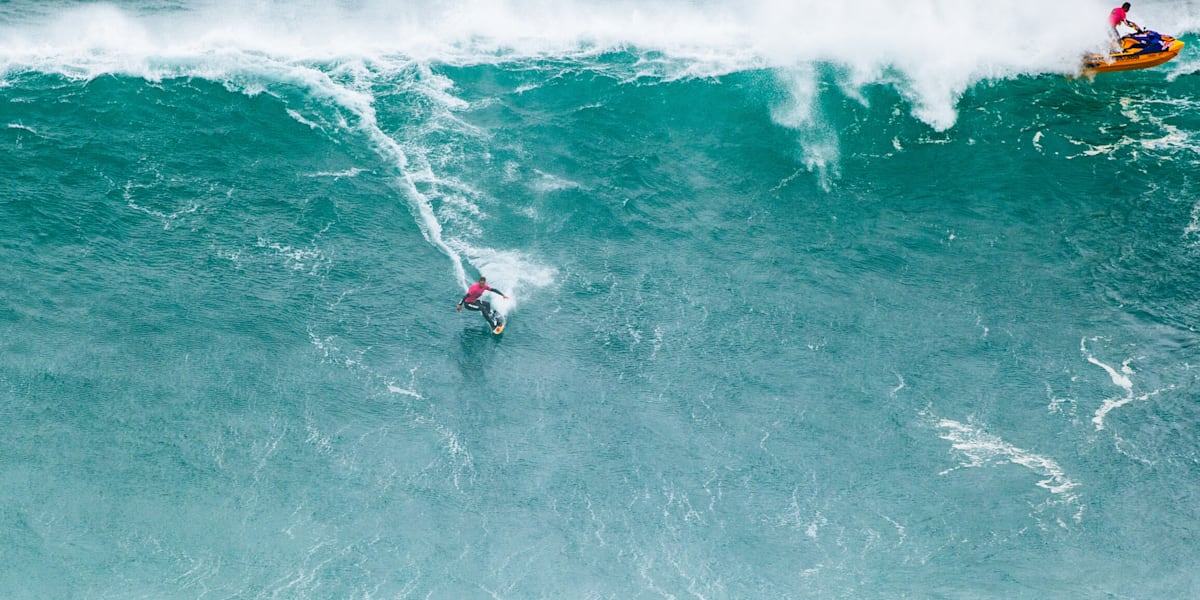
{"type": "Point", "coordinates": [856, 299]}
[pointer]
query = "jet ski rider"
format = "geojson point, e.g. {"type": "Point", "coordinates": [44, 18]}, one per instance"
{"type": "Point", "coordinates": [1120, 16]}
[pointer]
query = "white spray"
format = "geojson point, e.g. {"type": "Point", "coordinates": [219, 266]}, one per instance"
{"type": "Point", "coordinates": [930, 50]}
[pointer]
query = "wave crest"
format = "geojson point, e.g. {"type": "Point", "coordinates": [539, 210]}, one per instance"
{"type": "Point", "coordinates": [931, 50]}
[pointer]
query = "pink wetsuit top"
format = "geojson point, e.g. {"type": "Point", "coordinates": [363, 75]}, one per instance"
{"type": "Point", "coordinates": [1116, 16]}
{"type": "Point", "coordinates": [476, 291]}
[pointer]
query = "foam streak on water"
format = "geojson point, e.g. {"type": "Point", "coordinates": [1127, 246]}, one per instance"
{"type": "Point", "coordinates": [981, 449]}
{"type": "Point", "coordinates": [792, 284]}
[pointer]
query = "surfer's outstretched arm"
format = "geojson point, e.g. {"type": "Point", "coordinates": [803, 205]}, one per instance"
{"type": "Point", "coordinates": [475, 293]}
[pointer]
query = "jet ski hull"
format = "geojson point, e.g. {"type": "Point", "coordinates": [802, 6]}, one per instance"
{"type": "Point", "coordinates": [1137, 52]}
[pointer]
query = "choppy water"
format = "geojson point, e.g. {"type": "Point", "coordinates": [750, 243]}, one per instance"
{"type": "Point", "coordinates": [792, 316]}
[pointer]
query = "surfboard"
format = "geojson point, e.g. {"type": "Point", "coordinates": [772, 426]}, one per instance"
{"type": "Point", "coordinates": [500, 322]}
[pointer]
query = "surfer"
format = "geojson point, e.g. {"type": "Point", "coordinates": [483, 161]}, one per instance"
{"type": "Point", "coordinates": [473, 300]}
{"type": "Point", "coordinates": [1120, 16]}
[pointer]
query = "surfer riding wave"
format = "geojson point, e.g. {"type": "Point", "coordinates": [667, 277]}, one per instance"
{"type": "Point", "coordinates": [473, 300]}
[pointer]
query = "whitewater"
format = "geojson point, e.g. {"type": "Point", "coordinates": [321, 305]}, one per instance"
{"type": "Point", "coordinates": [807, 300]}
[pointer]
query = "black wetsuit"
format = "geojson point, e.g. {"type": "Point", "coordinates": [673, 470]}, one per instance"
{"type": "Point", "coordinates": [478, 303]}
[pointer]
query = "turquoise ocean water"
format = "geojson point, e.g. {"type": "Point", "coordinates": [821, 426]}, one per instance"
{"type": "Point", "coordinates": [848, 310]}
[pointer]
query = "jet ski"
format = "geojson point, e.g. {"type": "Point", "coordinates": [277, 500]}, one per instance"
{"type": "Point", "coordinates": [1140, 50]}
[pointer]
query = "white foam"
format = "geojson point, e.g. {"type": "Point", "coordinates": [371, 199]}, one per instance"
{"type": "Point", "coordinates": [553, 183]}
{"type": "Point", "coordinates": [311, 260]}
{"type": "Point", "coordinates": [512, 272]}
{"type": "Point", "coordinates": [899, 387]}
{"type": "Point", "coordinates": [347, 173]}
{"type": "Point", "coordinates": [1153, 134]}
{"type": "Point", "coordinates": [820, 144]}
{"type": "Point", "coordinates": [981, 448]}
{"type": "Point", "coordinates": [354, 98]}
{"type": "Point", "coordinates": [1111, 404]}
{"type": "Point", "coordinates": [395, 389]}
{"type": "Point", "coordinates": [931, 50]}
{"type": "Point", "coordinates": [1192, 230]}
{"type": "Point", "coordinates": [1121, 379]}
{"type": "Point", "coordinates": [299, 118]}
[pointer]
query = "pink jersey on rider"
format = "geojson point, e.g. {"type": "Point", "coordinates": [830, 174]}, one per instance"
{"type": "Point", "coordinates": [1116, 16]}
{"type": "Point", "coordinates": [476, 291]}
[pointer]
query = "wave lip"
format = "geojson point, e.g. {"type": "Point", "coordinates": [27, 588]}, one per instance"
{"type": "Point", "coordinates": [931, 50]}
